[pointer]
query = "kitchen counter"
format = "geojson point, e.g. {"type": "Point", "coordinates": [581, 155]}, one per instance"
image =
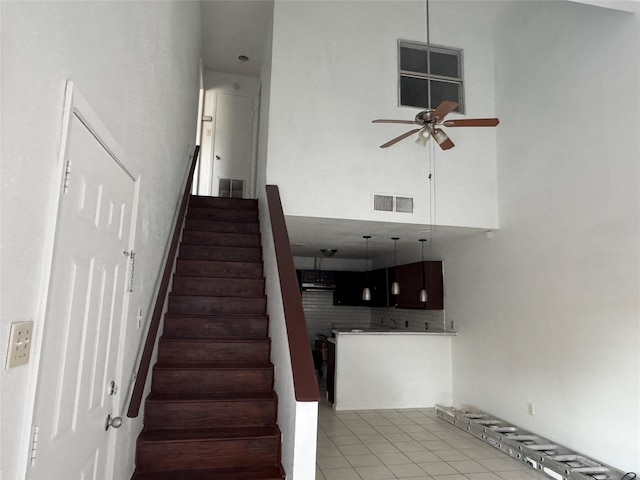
{"type": "Point", "coordinates": [385, 331]}
{"type": "Point", "coordinates": [382, 367]}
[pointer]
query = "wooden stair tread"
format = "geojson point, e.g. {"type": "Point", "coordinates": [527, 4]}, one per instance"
{"type": "Point", "coordinates": [176, 367]}
{"type": "Point", "coordinates": [213, 397]}
{"type": "Point", "coordinates": [206, 434]}
{"type": "Point", "coordinates": [266, 472]}
{"type": "Point", "coordinates": [258, 340]}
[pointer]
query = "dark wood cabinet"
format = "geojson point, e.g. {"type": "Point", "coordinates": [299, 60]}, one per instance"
{"type": "Point", "coordinates": [411, 277]}
{"type": "Point", "coordinates": [331, 371]}
{"type": "Point", "coordinates": [380, 286]}
{"type": "Point", "coordinates": [349, 286]}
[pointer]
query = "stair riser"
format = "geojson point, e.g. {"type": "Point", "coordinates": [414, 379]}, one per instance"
{"type": "Point", "coordinates": [193, 305]}
{"type": "Point", "coordinates": [222, 254]}
{"type": "Point", "coordinates": [221, 202]}
{"type": "Point", "coordinates": [202, 268]}
{"type": "Point", "coordinates": [211, 453]}
{"type": "Point", "coordinates": [195, 327]}
{"type": "Point", "coordinates": [175, 352]}
{"type": "Point", "coordinates": [190, 237]}
{"type": "Point", "coordinates": [224, 287]}
{"type": "Point", "coordinates": [210, 413]}
{"type": "Point", "coordinates": [222, 227]}
{"type": "Point", "coordinates": [220, 214]}
{"type": "Point", "coordinates": [187, 381]}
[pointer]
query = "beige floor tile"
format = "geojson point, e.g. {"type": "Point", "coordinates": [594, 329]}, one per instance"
{"type": "Point", "coordinates": [341, 474]}
{"type": "Point", "coordinates": [481, 453]}
{"type": "Point", "coordinates": [410, 446]}
{"type": "Point", "coordinates": [368, 460]}
{"type": "Point", "coordinates": [457, 476]}
{"type": "Point", "coordinates": [345, 440]}
{"type": "Point", "coordinates": [328, 451]}
{"type": "Point", "coordinates": [498, 464]}
{"type": "Point", "coordinates": [452, 454]}
{"type": "Point", "coordinates": [387, 429]}
{"type": "Point", "coordinates": [424, 456]}
{"type": "Point", "coordinates": [385, 447]}
{"type": "Point", "coordinates": [354, 450]}
{"type": "Point", "coordinates": [406, 470]}
{"type": "Point", "coordinates": [517, 475]}
{"type": "Point", "coordinates": [319, 475]}
{"type": "Point", "coordinates": [332, 462]}
{"type": "Point", "coordinates": [366, 430]}
{"type": "Point", "coordinates": [482, 476]}
{"type": "Point", "coordinates": [435, 445]}
{"type": "Point", "coordinates": [394, 458]}
{"type": "Point", "coordinates": [375, 473]}
{"type": "Point", "coordinates": [373, 438]}
{"type": "Point", "coordinates": [467, 466]}
{"type": "Point", "coordinates": [438, 468]}
{"type": "Point", "coordinates": [398, 437]}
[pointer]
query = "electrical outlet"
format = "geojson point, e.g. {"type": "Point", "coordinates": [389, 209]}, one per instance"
{"type": "Point", "coordinates": [19, 344]}
{"type": "Point", "coordinates": [426, 325]}
{"type": "Point", "coordinates": [530, 410]}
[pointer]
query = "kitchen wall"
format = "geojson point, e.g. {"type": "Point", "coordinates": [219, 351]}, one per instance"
{"type": "Point", "coordinates": [137, 65]}
{"type": "Point", "coordinates": [548, 310]}
{"type": "Point", "coordinates": [334, 69]}
{"type": "Point", "coordinates": [320, 313]}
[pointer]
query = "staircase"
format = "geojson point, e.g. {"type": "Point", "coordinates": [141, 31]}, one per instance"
{"type": "Point", "coordinates": [212, 411]}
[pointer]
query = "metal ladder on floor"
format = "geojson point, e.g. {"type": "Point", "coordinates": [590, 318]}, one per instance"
{"type": "Point", "coordinates": [539, 453]}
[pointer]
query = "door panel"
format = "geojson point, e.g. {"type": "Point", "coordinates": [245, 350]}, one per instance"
{"type": "Point", "coordinates": [86, 309]}
{"type": "Point", "coordinates": [233, 139]}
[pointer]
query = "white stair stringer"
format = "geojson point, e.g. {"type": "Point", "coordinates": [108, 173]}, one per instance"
{"type": "Point", "coordinates": [554, 460]}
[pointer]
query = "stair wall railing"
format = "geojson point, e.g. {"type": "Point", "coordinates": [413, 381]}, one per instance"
{"type": "Point", "coordinates": [146, 354]}
{"type": "Point", "coordinates": [295, 380]}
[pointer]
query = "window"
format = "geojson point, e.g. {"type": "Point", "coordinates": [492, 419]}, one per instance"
{"type": "Point", "coordinates": [429, 74]}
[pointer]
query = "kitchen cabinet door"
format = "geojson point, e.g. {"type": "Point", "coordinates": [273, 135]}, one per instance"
{"type": "Point", "coordinates": [410, 277]}
{"type": "Point", "coordinates": [380, 288]}
{"type": "Point", "coordinates": [349, 286]}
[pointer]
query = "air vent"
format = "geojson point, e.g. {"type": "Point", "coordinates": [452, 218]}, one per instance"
{"type": "Point", "coordinates": [404, 204]}
{"type": "Point", "coordinates": [383, 203]}
{"type": "Point", "coordinates": [391, 203]}
{"type": "Point", "coordinates": [230, 188]}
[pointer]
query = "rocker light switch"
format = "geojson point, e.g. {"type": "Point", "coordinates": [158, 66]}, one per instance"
{"type": "Point", "coordinates": [19, 344]}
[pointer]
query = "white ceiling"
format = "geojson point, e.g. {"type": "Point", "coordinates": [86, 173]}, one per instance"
{"type": "Point", "coordinates": [231, 28]}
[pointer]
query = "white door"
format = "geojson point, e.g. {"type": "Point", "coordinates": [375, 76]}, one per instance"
{"type": "Point", "coordinates": [232, 142]}
{"type": "Point", "coordinates": [86, 307]}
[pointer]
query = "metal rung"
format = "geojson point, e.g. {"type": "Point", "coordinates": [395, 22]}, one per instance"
{"type": "Point", "coordinates": [590, 470]}
{"type": "Point", "coordinates": [542, 447]}
{"type": "Point", "coordinates": [488, 422]}
{"type": "Point", "coordinates": [523, 438]}
{"type": "Point", "coordinates": [504, 429]}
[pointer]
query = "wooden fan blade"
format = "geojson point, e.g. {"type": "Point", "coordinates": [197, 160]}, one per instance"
{"type": "Point", "coordinates": [443, 139]}
{"type": "Point", "coordinates": [407, 122]}
{"type": "Point", "coordinates": [443, 109]}
{"type": "Point", "coordinates": [401, 137]}
{"type": "Point", "coordinates": [472, 122]}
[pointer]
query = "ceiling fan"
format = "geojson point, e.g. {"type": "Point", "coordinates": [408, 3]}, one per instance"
{"type": "Point", "coordinates": [429, 121]}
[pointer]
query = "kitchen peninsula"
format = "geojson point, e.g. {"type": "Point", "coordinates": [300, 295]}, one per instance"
{"type": "Point", "coordinates": [381, 368]}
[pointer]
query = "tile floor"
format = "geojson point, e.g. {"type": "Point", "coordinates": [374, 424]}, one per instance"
{"type": "Point", "coordinates": [407, 444]}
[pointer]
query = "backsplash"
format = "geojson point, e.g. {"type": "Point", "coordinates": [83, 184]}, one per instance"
{"type": "Point", "coordinates": [320, 313]}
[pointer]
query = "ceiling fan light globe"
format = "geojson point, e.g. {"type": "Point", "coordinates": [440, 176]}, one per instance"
{"type": "Point", "coordinates": [423, 138]}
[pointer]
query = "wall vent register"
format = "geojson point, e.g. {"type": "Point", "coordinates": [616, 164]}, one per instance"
{"type": "Point", "coordinates": [392, 203]}
{"type": "Point", "coordinates": [231, 188]}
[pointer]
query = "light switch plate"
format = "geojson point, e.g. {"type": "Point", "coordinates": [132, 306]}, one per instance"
{"type": "Point", "coordinates": [19, 344]}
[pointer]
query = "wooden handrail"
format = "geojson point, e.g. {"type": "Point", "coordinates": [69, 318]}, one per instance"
{"type": "Point", "coordinates": [305, 383]}
{"type": "Point", "coordinates": [147, 353]}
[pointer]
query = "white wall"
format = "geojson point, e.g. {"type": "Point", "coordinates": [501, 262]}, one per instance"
{"type": "Point", "coordinates": [137, 64]}
{"type": "Point", "coordinates": [334, 69]}
{"type": "Point", "coordinates": [548, 311]}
